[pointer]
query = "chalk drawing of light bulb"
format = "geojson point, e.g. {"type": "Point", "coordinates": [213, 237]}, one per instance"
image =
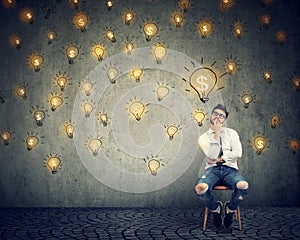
{"type": "Point", "coordinates": [203, 80]}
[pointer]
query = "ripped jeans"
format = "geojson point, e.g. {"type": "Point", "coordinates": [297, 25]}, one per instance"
{"type": "Point", "coordinates": [226, 176]}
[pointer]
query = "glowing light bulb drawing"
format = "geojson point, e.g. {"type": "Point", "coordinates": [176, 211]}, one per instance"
{"type": "Point", "coordinates": [95, 145]}
{"type": "Point", "coordinates": [296, 82]}
{"type": "Point", "coordinates": [238, 30]}
{"type": "Point", "coordinates": [199, 116]}
{"type": "Point", "coordinates": [86, 87]}
{"type": "Point", "coordinates": [265, 20]}
{"type": "Point", "coordinates": [137, 73]}
{"type": "Point", "coordinates": [72, 52]}
{"type": "Point", "coordinates": [98, 51]}
{"type": "Point", "coordinates": [260, 143]}
{"type": "Point", "coordinates": [36, 61]}
{"type": "Point", "coordinates": [31, 142]}
{"type": "Point", "coordinates": [267, 76]}
{"type": "Point", "coordinates": [247, 99]}
{"type": "Point", "coordinates": [109, 4]}
{"type": "Point", "coordinates": [171, 131]}
{"type": "Point", "coordinates": [150, 30]}
{"type": "Point", "coordinates": [27, 15]}
{"type": "Point", "coordinates": [128, 17]}
{"type": "Point", "coordinates": [184, 4]}
{"type": "Point", "coordinates": [112, 74]}
{"type": "Point", "coordinates": [129, 47]}
{"type": "Point", "coordinates": [226, 4]}
{"type": "Point", "coordinates": [62, 82]}
{"type": "Point", "coordinates": [53, 162]}
{"type": "Point", "coordinates": [275, 120]}
{"type": "Point", "coordinates": [205, 27]}
{"type": "Point", "coordinates": [21, 92]}
{"type": "Point", "coordinates": [231, 67]}
{"type": "Point", "coordinates": [153, 166]}
{"type": "Point", "coordinates": [55, 102]}
{"type": "Point", "coordinates": [137, 109]}
{"type": "Point", "coordinates": [81, 20]}
{"type": "Point", "coordinates": [162, 92]}
{"type": "Point", "coordinates": [102, 117]}
{"type": "Point", "coordinates": [178, 19]}
{"type": "Point", "coordinates": [88, 109]}
{"type": "Point", "coordinates": [159, 52]}
{"type": "Point", "coordinates": [6, 136]}
{"type": "Point", "coordinates": [69, 129]}
{"type": "Point", "coordinates": [294, 145]}
{"type": "Point", "coordinates": [203, 80]}
{"type": "Point", "coordinates": [110, 35]}
{"type": "Point", "coordinates": [39, 116]}
{"type": "Point", "coordinates": [16, 41]}
{"type": "Point", "coordinates": [51, 35]}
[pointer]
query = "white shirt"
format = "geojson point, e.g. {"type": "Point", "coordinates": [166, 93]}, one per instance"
{"type": "Point", "coordinates": [231, 146]}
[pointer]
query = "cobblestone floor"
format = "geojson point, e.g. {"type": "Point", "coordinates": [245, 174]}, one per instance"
{"type": "Point", "coordinates": [143, 223]}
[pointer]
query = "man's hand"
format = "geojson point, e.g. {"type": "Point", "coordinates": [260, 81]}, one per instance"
{"type": "Point", "coordinates": [217, 127]}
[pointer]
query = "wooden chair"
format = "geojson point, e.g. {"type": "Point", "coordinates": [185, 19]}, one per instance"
{"type": "Point", "coordinates": [237, 211]}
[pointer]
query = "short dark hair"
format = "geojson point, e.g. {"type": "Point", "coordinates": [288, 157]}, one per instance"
{"type": "Point", "coordinates": [221, 107]}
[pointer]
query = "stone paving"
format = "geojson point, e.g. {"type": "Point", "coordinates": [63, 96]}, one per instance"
{"type": "Point", "coordinates": [143, 223]}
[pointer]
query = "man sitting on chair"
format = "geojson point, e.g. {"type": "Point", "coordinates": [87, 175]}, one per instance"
{"type": "Point", "coordinates": [222, 149]}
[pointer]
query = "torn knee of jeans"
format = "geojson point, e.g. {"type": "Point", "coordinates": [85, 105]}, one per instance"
{"type": "Point", "coordinates": [242, 185]}
{"type": "Point", "coordinates": [201, 188]}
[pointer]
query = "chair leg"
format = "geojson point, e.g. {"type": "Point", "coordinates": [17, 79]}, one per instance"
{"type": "Point", "coordinates": [238, 216]}
{"type": "Point", "coordinates": [205, 218]}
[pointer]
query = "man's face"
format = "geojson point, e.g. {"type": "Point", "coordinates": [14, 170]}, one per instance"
{"type": "Point", "coordinates": [217, 115]}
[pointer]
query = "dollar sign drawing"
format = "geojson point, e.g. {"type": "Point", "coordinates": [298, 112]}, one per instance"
{"type": "Point", "coordinates": [36, 62]}
{"type": "Point", "coordinates": [72, 53]}
{"type": "Point", "coordinates": [81, 22]}
{"type": "Point", "coordinates": [203, 86]}
{"type": "Point", "coordinates": [205, 28]}
{"type": "Point", "coordinates": [260, 144]}
{"type": "Point", "coordinates": [150, 30]}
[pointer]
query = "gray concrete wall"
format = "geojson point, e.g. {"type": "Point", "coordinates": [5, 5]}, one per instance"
{"type": "Point", "coordinates": [118, 176]}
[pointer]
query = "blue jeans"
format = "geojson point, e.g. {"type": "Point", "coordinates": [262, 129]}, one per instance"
{"type": "Point", "coordinates": [222, 175]}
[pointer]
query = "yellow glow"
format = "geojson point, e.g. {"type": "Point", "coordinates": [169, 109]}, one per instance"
{"type": "Point", "coordinates": [72, 52]}
{"type": "Point", "coordinates": [275, 119]}
{"type": "Point", "coordinates": [9, 3]}
{"type": "Point", "coordinates": [112, 74]}
{"type": "Point", "coordinates": [55, 102]}
{"type": "Point", "coordinates": [296, 82]}
{"type": "Point", "coordinates": [136, 73]}
{"type": "Point", "coordinates": [69, 130]}
{"type": "Point", "coordinates": [184, 4]}
{"type": "Point", "coordinates": [159, 52]}
{"type": "Point", "coordinates": [137, 109]}
{"type": "Point", "coordinates": [21, 92]}
{"type": "Point", "coordinates": [128, 17]}
{"type": "Point", "coordinates": [31, 142]}
{"type": "Point", "coordinates": [294, 145]}
{"type": "Point", "coordinates": [267, 76]}
{"type": "Point", "coordinates": [98, 51]}
{"type": "Point", "coordinates": [110, 35]}
{"type": "Point", "coordinates": [62, 82]}
{"type": "Point", "coordinates": [51, 35]}
{"type": "Point", "coordinates": [178, 19]}
{"type": "Point", "coordinates": [6, 136]}
{"type": "Point", "coordinates": [95, 145]}
{"type": "Point", "coordinates": [75, 3]}
{"type": "Point", "coordinates": [199, 116]}
{"type": "Point", "coordinates": [53, 164]}
{"type": "Point", "coordinates": [87, 87]}
{"type": "Point", "coordinates": [16, 41]}
{"type": "Point", "coordinates": [265, 20]}
{"type": "Point", "coordinates": [281, 36]}
{"type": "Point", "coordinates": [36, 61]}
{"type": "Point", "coordinates": [231, 67]}
{"type": "Point", "coordinates": [102, 117]}
{"type": "Point", "coordinates": [205, 27]}
{"type": "Point", "coordinates": [238, 29]}
{"type": "Point", "coordinates": [247, 99]}
{"type": "Point", "coordinates": [109, 4]}
{"type": "Point", "coordinates": [260, 143]}
{"type": "Point", "coordinates": [150, 29]}
{"type": "Point", "coordinates": [39, 116]}
{"type": "Point", "coordinates": [171, 131]}
{"type": "Point", "coordinates": [81, 21]}
{"type": "Point", "coordinates": [153, 166]}
{"type": "Point", "coordinates": [88, 109]}
{"type": "Point", "coordinates": [27, 15]}
{"type": "Point", "coordinates": [129, 47]}
{"type": "Point", "coordinates": [161, 92]}
{"type": "Point", "coordinates": [226, 4]}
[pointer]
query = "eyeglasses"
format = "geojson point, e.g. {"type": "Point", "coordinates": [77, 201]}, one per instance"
{"type": "Point", "coordinates": [219, 115]}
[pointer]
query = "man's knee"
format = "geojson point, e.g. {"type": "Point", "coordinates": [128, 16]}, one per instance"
{"type": "Point", "coordinates": [201, 188]}
{"type": "Point", "coordinates": [242, 185]}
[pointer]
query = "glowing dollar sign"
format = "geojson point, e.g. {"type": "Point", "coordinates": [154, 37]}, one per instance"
{"type": "Point", "coordinates": [72, 53]}
{"type": "Point", "coordinates": [260, 144]}
{"type": "Point", "coordinates": [203, 80]}
{"type": "Point", "coordinates": [203, 85]}
{"type": "Point", "coordinates": [150, 30]}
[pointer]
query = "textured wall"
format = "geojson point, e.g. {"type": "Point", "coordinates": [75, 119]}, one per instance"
{"type": "Point", "coordinates": [118, 175]}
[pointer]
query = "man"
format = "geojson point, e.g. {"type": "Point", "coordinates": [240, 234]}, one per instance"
{"type": "Point", "coordinates": [222, 149]}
